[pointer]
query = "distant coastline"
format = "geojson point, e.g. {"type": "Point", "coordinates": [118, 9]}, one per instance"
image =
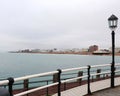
{"type": "Point", "coordinates": [75, 53]}
{"type": "Point", "coordinates": [91, 50]}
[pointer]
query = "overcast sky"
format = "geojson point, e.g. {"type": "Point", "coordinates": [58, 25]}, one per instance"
{"type": "Point", "coordinates": [56, 23]}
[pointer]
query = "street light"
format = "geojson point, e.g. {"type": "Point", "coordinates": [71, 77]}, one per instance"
{"type": "Point", "coordinates": [112, 21]}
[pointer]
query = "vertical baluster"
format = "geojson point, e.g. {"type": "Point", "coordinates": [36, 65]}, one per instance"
{"type": "Point", "coordinates": [10, 85]}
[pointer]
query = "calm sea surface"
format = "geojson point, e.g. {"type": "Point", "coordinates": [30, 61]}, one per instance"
{"type": "Point", "coordinates": [20, 64]}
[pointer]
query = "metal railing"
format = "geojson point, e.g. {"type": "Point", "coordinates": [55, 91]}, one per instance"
{"type": "Point", "coordinates": [89, 75]}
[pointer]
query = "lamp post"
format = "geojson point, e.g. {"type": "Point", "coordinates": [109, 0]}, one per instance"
{"type": "Point", "coordinates": [113, 20]}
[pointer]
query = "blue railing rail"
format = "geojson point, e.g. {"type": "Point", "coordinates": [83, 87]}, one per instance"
{"type": "Point", "coordinates": [88, 75]}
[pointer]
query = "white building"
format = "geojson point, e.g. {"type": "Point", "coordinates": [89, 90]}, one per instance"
{"type": "Point", "coordinates": [117, 49]}
{"type": "Point", "coordinates": [84, 50]}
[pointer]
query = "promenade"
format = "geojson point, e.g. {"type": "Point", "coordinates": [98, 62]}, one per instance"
{"type": "Point", "coordinates": [107, 92]}
{"type": "Point", "coordinates": [95, 87]}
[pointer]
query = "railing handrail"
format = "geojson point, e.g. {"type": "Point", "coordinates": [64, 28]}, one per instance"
{"type": "Point", "coordinates": [35, 75]}
{"type": "Point", "coordinates": [117, 64]}
{"type": "Point", "coordinates": [74, 69]}
{"type": "Point", "coordinates": [3, 82]}
{"type": "Point", "coordinates": [102, 65]}
{"type": "Point", "coordinates": [28, 77]}
{"type": "Point", "coordinates": [72, 79]}
{"type": "Point", "coordinates": [117, 71]}
{"type": "Point", "coordinates": [107, 72]}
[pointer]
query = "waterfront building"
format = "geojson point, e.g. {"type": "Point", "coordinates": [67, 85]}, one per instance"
{"type": "Point", "coordinates": [93, 48]}
{"type": "Point", "coordinates": [76, 50]}
{"type": "Point", "coordinates": [35, 50]}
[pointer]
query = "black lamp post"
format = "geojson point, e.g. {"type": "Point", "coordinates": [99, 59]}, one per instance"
{"type": "Point", "coordinates": [113, 20]}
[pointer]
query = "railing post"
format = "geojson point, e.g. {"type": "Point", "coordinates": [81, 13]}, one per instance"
{"type": "Point", "coordinates": [80, 73]}
{"type": "Point", "coordinates": [26, 84]}
{"type": "Point", "coordinates": [10, 85]}
{"type": "Point", "coordinates": [89, 91]}
{"type": "Point", "coordinates": [55, 78]}
{"type": "Point", "coordinates": [47, 88]}
{"type": "Point", "coordinates": [64, 85]}
{"type": "Point", "coordinates": [98, 76]}
{"type": "Point", "coordinates": [59, 82]}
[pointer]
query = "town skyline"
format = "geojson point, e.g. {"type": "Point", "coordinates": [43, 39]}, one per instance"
{"type": "Point", "coordinates": [91, 48]}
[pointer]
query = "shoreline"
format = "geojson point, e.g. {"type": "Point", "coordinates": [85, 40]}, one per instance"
{"type": "Point", "coordinates": [74, 53]}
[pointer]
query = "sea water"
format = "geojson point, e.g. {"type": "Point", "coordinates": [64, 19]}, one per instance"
{"type": "Point", "coordinates": [21, 64]}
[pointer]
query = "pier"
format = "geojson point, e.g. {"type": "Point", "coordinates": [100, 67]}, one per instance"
{"type": "Point", "coordinates": [79, 81]}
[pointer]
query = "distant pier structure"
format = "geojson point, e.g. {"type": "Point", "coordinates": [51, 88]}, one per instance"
{"type": "Point", "coordinates": [101, 52]}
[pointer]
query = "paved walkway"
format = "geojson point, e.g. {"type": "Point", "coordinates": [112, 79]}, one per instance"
{"type": "Point", "coordinates": [108, 92]}
{"type": "Point", "coordinates": [95, 86]}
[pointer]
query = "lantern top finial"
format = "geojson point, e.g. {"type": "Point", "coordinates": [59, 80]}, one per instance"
{"type": "Point", "coordinates": [112, 17]}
